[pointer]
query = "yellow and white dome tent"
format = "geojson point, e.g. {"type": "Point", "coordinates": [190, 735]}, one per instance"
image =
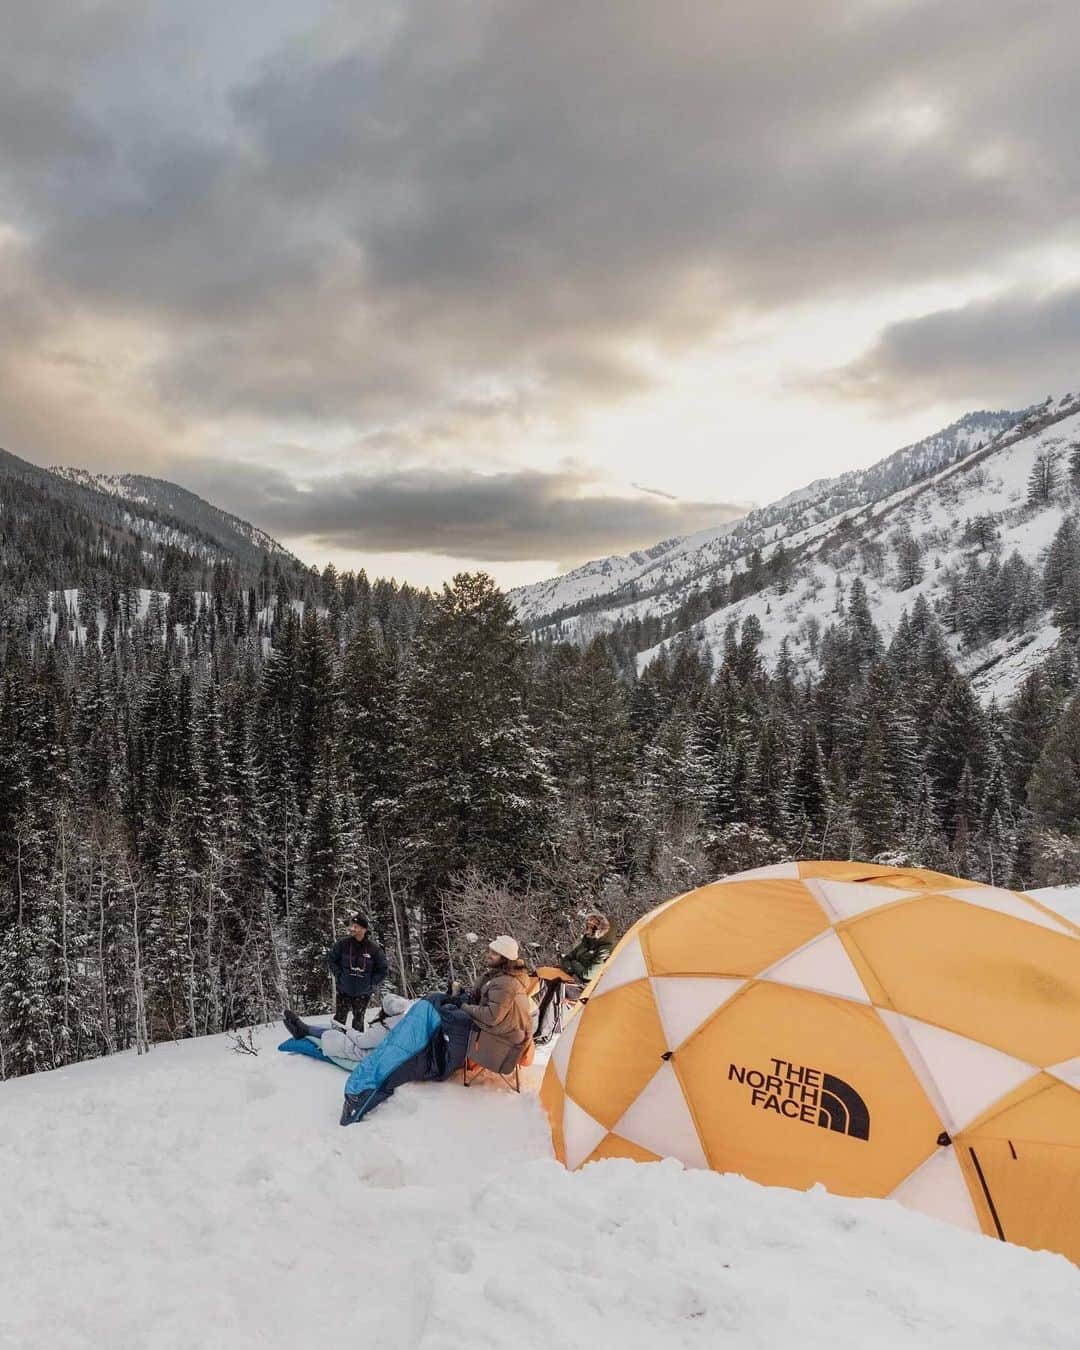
{"type": "Point", "coordinates": [887, 1032]}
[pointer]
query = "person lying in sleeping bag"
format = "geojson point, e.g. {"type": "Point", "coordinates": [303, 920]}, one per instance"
{"type": "Point", "coordinates": [353, 1042]}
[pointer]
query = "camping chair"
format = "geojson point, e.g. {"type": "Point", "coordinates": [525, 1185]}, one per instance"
{"type": "Point", "coordinates": [510, 1077]}
{"type": "Point", "coordinates": [566, 991]}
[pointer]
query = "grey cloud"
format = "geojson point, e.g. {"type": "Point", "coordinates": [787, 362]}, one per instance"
{"type": "Point", "coordinates": [1016, 345]}
{"type": "Point", "coordinates": [524, 190]}
{"type": "Point", "coordinates": [500, 517]}
{"type": "Point", "coordinates": [369, 219]}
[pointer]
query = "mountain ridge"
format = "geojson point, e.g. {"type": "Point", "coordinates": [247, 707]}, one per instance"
{"type": "Point", "coordinates": [625, 579]}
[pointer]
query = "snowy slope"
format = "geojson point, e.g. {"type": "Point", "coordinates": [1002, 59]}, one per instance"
{"type": "Point", "coordinates": [602, 592]}
{"type": "Point", "coordinates": [991, 481]}
{"type": "Point", "coordinates": [195, 1199]}
{"type": "Point", "coordinates": [178, 503]}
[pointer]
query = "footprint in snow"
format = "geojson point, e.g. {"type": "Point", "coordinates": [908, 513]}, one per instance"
{"type": "Point", "coordinates": [258, 1088]}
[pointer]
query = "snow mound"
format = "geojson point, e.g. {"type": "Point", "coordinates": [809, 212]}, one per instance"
{"type": "Point", "coordinates": [200, 1198]}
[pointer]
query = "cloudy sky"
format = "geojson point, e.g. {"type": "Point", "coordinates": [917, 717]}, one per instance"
{"type": "Point", "coordinates": [429, 284]}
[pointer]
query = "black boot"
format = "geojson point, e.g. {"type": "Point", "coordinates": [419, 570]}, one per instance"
{"type": "Point", "coordinates": [353, 1108]}
{"type": "Point", "coordinates": [296, 1026]}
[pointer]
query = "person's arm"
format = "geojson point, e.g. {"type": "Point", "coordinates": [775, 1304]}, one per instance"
{"type": "Point", "coordinates": [333, 961]}
{"type": "Point", "coordinates": [379, 966]}
{"type": "Point", "coordinates": [496, 1007]}
{"type": "Point", "coordinates": [591, 967]}
{"type": "Point", "coordinates": [573, 962]}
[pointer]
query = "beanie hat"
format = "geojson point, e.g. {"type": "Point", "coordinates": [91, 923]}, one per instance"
{"type": "Point", "coordinates": [360, 922]}
{"type": "Point", "coordinates": [504, 946]}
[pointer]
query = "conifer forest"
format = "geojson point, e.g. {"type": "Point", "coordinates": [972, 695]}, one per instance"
{"type": "Point", "coordinates": [207, 763]}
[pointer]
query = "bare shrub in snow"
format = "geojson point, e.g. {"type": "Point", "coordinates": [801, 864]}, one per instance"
{"type": "Point", "coordinates": [1055, 859]}
{"type": "Point", "coordinates": [738, 847]}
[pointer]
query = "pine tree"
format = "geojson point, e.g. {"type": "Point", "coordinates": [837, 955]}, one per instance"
{"type": "Point", "coordinates": [1074, 465]}
{"type": "Point", "coordinates": [809, 796]}
{"type": "Point", "coordinates": [1062, 567]}
{"type": "Point", "coordinates": [909, 564]}
{"type": "Point", "coordinates": [923, 842]}
{"type": "Point", "coordinates": [369, 730]}
{"type": "Point", "coordinates": [1043, 479]}
{"type": "Point", "coordinates": [314, 699]}
{"type": "Point", "coordinates": [864, 640]}
{"type": "Point", "coordinates": [325, 889]}
{"type": "Point", "coordinates": [1054, 790]}
{"type": "Point", "coordinates": [873, 803]}
{"type": "Point", "coordinates": [769, 781]}
{"type": "Point", "coordinates": [1030, 720]}
{"type": "Point", "coordinates": [476, 787]}
{"type": "Point", "coordinates": [956, 744]}
{"type": "Point", "coordinates": [176, 948]}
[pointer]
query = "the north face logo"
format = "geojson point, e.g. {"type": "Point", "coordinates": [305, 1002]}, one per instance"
{"type": "Point", "coordinates": [813, 1096]}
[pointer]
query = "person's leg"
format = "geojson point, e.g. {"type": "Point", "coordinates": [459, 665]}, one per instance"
{"type": "Point", "coordinates": [341, 1007]}
{"type": "Point", "coordinates": [358, 1003]}
{"type": "Point", "coordinates": [297, 1027]}
{"type": "Point", "coordinates": [547, 998]}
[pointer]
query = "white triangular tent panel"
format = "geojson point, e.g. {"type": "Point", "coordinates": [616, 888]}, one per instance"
{"type": "Point", "coordinates": [938, 1188]}
{"type": "Point", "coordinates": [560, 1056]}
{"type": "Point", "coordinates": [1068, 1072]}
{"type": "Point", "coordinates": [581, 1133]}
{"type": "Point", "coordinates": [685, 1003]}
{"type": "Point", "coordinates": [660, 1121]}
{"type": "Point", "coordinates": [823, 966]}
{"type": "Point", "coordinates": [847, 899]}
{"type": "Point", "coordinates": [775, 872]}
{"type": "Point", "coordinates": [968, 1077]}
{"type": "Point", "coordinates": [1007, 902]}
{"type": "Point", "coordinates": [625, 967]}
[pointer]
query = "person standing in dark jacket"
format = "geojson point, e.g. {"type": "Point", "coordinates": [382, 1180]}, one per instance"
{"type": "Point", "coordinates": [358, 965]}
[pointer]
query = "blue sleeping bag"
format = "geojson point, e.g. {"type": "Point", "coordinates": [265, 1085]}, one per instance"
{"type": "Point", "coordinates": [430, 1042]}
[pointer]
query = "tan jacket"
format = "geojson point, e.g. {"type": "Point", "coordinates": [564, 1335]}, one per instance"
{"type": "Point", "coordinates": [502, 1011]}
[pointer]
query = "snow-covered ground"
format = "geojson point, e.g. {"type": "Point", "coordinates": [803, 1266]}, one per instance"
{"type": "Point", "coordinates": [197, 1199]}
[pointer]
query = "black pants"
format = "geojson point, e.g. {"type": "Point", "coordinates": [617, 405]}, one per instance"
{"type": "Point", "coordinates": [552, 994]}
{"type": "Point", "coordinates": [354, 1003]}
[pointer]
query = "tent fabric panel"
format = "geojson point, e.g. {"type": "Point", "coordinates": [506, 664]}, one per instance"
{"type": "Point", "coordinates": [618, 1047]}
{"type": "Point", "coordinates": [659, 1120]}
{"type": "Point", "coordinates": [988, 976]}
{"type": "Point", "coordinates": [737, 928]}
{"type": "Point", "coordinates": [685, 1003]}
{"type": "Point", "coordinates": [939, 1188]}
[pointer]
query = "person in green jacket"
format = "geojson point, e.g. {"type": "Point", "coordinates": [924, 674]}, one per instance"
{"type": "Point", "coordinates": [581, 964]}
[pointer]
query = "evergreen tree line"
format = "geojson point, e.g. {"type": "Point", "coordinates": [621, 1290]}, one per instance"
{"type": "Point", "coordinates": [194, 795]}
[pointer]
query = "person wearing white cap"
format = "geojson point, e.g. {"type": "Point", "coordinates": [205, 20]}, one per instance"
{"type": "Point", "coordinates": [500, 1008]}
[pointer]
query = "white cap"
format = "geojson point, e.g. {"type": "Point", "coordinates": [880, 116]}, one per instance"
{"type": "Point", "coordinates": [505, 946]}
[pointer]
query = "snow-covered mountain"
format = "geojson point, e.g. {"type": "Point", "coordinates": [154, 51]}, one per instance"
{"type": "Point", "coordinates": [657, 580]}
{"type": "Point", "coordinates": [856, 527]}
{"type": "Point", "coordinates": [171, 501]}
